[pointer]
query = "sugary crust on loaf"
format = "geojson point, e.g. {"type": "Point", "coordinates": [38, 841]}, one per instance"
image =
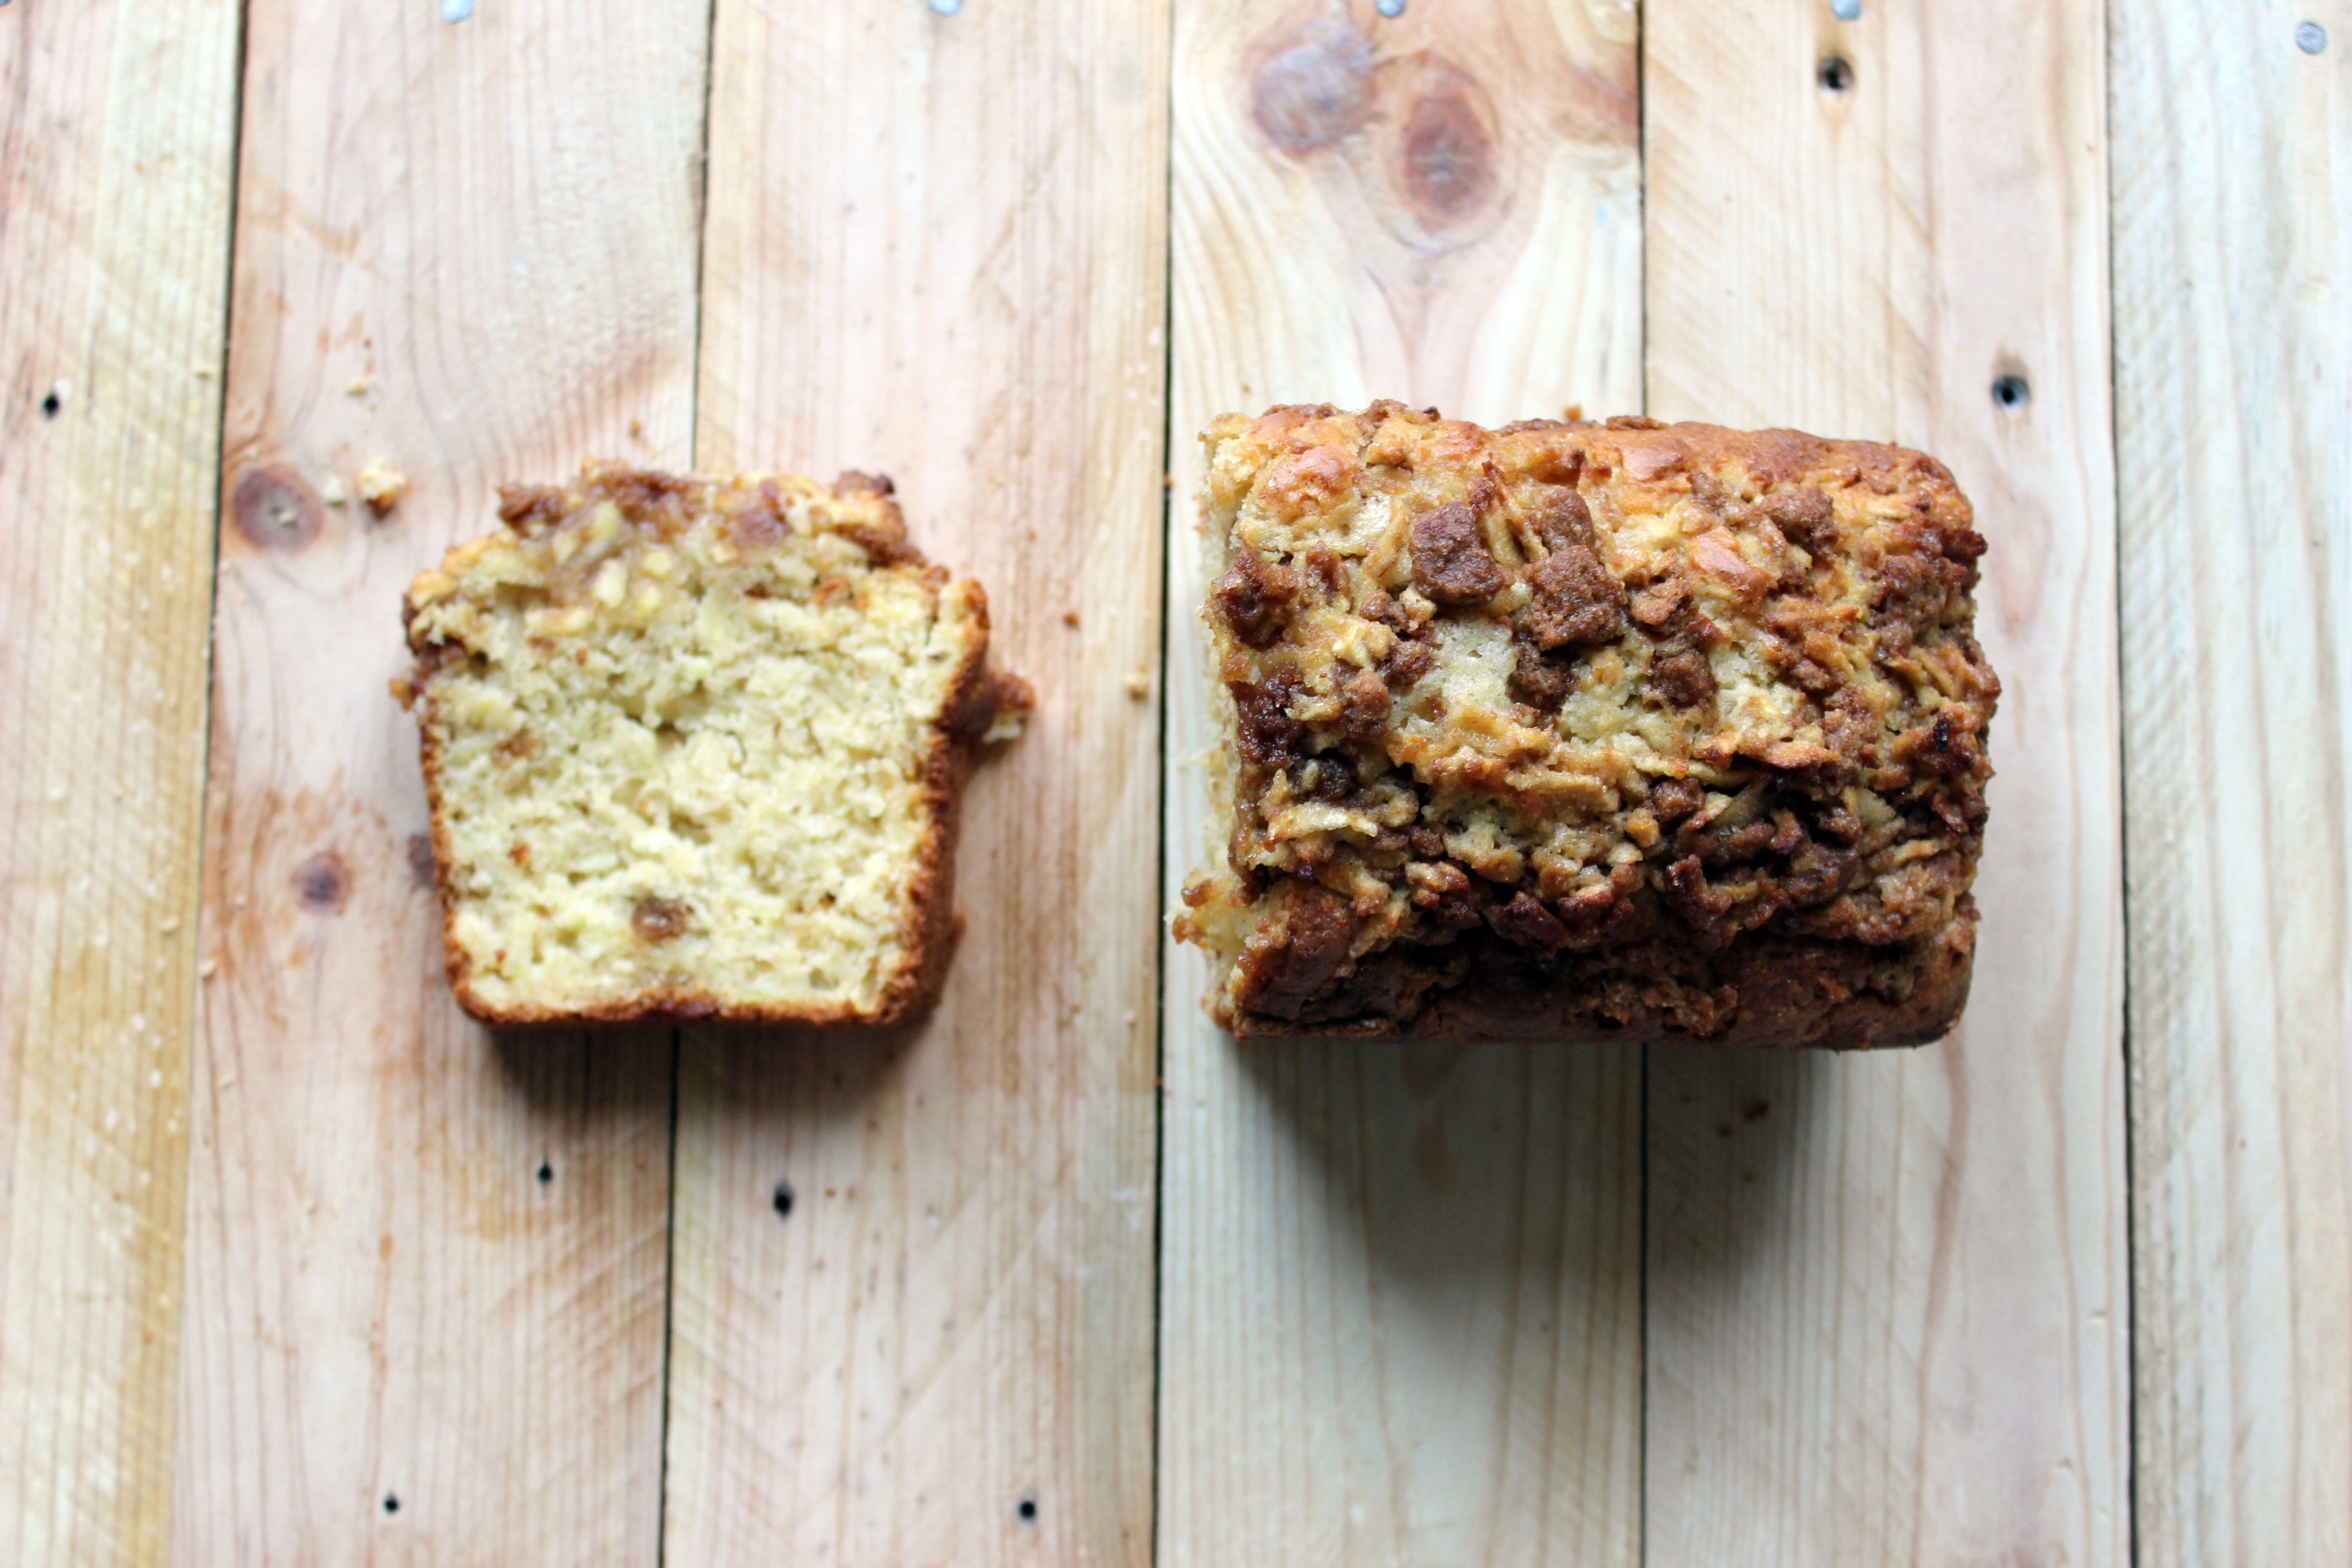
{"type": "Point", "coordinates": [1588, 730]}
{"type": "Point", "coordinates": [858, 527]}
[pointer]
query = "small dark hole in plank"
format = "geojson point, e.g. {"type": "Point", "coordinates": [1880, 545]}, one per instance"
{"type": "Point", "coordinates": [783, 1199]}
{"type": "Point", "coordinates": [2011, 391]}
{"type": "Point", "coordinates": [52, 406]}
{"type": "Point", "coordinates": [546, 1172]}
{"type": "Point", "coordinates": [1027, 1510]}
{"type": "Point", "coordinates": [391, 1503]}
{"type": "Point", "coordinates": [1837, 74]}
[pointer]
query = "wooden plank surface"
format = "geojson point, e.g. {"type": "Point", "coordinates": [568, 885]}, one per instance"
{"type": "Point", "coordinates": [936, 247]}
{"type": "Point", "coordinates": [424, 1270]}
{"type": "Point", "coordinates": [2233, 418]}
{"type": "Point", "coordinates": [1886, 1295]}
{"type": "Point", "coordinates": [117, 123]}
{"type": "Point", "coordinates": [1400, 1306]}
{"type": "Point", "coordinates": [1399, 1298]}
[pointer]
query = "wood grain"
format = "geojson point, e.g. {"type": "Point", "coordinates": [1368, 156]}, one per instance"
{"type": "Point", "coordinates": [1886, 1299]}
{"type": "Point", "coordinates": [1399, 1304]}
{"type": "Point", "coordinates": [424, 1271]}
{"type": "Point", "coordinates": [936, 247]}
{"type": "Point", "coordinates": [117, 125]}
{"type": "Point", "coordinates": [2233, 420]}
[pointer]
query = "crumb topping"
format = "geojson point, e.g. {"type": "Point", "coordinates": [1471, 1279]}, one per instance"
{"type": "Point", "coordinates": [1576, 689]}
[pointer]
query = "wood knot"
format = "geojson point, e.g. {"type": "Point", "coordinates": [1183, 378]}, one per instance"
{"type": "Point", "coordinates": [1312, 87]}
{"type": "Point", "coordinates": [275, 509]}
{"type": "Point", "coordinates": [324, 883]}
{"type": "Point", "coordinates": [1445, 156]}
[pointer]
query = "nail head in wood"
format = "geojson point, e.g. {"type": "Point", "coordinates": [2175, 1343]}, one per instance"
{"type": "Point", "coordinates": [2310, 37]}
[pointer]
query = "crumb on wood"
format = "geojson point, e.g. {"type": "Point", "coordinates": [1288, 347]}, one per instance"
{"type": "Point", "coordinates": [1069, 617]}
{"type": "Point", "coordinates": [636, 429]}
{"type": "Point", "coordinates": [357, 386]}
{"type": "Point", "coordinates": [332, 491]}
{"type": "Point", "coordinates": [381, 485]}
{"type": "Point", "coordinates": [1139, 683]}
{"type": "Point", "coordinates": [205, 970]}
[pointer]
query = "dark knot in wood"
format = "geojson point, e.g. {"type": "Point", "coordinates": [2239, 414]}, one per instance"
{"type": "Point", "coordinates": [274, 509]}
{"type": "Point", "coordinates": [1312, 87]}
{"type": "Point", "coordinates": [324, 883]}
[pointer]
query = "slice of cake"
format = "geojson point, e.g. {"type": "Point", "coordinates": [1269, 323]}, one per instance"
{"type": "Point", "coordinates": [694, 748]}
{"type": "Point", "coordinates": [1588, 730]}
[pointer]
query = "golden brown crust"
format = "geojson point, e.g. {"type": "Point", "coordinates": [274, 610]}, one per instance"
{"type": "Point", "coordinates": [1597, 729]}
{"type": "Point", "coordinates": [932, 927]}
{"type": "Point", "coordinates": [1827, 995]}
{"type": "Point", "coordinates": [868, 514]}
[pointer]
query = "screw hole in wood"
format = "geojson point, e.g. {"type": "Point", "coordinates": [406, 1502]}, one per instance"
{"type": "Point", "coordinates": [1836, 75]}
{"type": "Point", "coordinates": [546, 1172]}
{"type": "Point", "coordinates": [391, 1503]}
{"type": "Point", "coordinates": [2012, 391]}
{"type": "Point", "coordinates": [52, 406]}
{"type": "Point", "coordinates": [783, 1201]}
{"type": "Point", "coordinates": [1027, 1510]}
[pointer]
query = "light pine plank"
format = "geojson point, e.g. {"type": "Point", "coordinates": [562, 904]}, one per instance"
{"type": "Point", "coordinates": [1886, 1296]}
{"type": "Point", "coordinates": [1400, 1301]}
{"type": "Point", "coordinates": [117, 129]}
{"type": "Point", "coordinates": [425, 1267]}
{"type": "Point", "coordinates": [936, 247]}
{"type": "Point", "coordinates": [2233, 419]}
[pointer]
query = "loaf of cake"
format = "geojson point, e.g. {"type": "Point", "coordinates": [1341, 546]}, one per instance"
{"type": "Point", "coordinates": [695, 747]}
{"type": "Point", "coordinates": [1588, 730]}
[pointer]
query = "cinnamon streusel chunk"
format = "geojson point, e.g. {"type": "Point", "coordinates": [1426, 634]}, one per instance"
{"type": "Point", "coordinates": [695, 747]}
{"type": "Point", "coordinates": [1588, 730]}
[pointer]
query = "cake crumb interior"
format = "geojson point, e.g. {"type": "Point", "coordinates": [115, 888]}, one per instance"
{"type": "Point", "coordinates": [683, 737]}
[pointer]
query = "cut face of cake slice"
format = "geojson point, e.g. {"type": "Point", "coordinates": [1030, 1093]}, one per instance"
{"type": "Point", "coordinates": [695, 747]}
{"type": "Point", "coordinates": [1588, 730]}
